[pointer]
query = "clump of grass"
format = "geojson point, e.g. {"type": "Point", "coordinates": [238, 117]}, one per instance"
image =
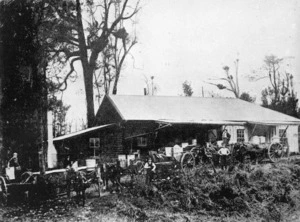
{"type": "Point", "coordinates": [247, 192]}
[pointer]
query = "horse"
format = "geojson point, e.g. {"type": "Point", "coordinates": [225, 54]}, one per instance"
{"type": "Point", "coordinates": [242, 151]}
{"type": "Point", "coordinates": [113, 173]}
{"type": "Point", "coordinates": [80, 185]}
{"type": "Point", "coordinates": [78, 181]}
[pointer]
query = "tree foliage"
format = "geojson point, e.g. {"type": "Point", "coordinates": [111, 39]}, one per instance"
{"type": "Point", "coordinates": [280, 95]}
{"type": "Point", "coordinates": [287, 104]}
{"type": "Point", "coordinates": [246, 96]}
{"type": "Point", "coordinates": [187, 88]}
{"type": "Point", "coordinates": [112, 61]}
{"type": "Point", "coordinates": [59, 110]}
{"type": "Point", "coordinates": [80, 31]}
{"type": "Point", "coordinates": [232, 83]}
{"type": "Point", "coordinates": [272, 66]}
{"type": "Point", "coordinates": [24, 105]}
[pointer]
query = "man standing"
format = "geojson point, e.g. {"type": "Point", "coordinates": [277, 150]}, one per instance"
{"type": "Point", "coordinates": [150, 170]}
{"type": "Point", "coordinates": [224, 152]}
{"type": "Point", "coordinates": [225, 137]}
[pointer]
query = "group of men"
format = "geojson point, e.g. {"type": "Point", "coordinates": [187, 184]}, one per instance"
{"type": "Point", "coordinates": [149, 166]}
{"type": "Point", "coordinates": [219, 155]}
{"type": "Point", "coordinates": [223, 152]}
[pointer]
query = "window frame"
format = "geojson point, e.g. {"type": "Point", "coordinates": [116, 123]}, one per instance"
{"type": "Point", "coordinates": [142, 141]}
{"type": "Point", "coordinates": [282, 139]}
{"type": "Point", "coordinates": [94, 143]}
{"type": "Point", "coordinates": [240, 138]}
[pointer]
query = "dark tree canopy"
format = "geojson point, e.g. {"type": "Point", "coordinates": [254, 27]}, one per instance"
{"type": "Point", "coordinates": [187, 88]}
{"type": "Point", "coordinates": [59, 110]}
{"type": "Point", "coordinates": [24, 87]}
{"type": "Point", "coordinates": [279, 95]}
{"type": "Point", "coordinates": [287, 104]}
{"type": "Point", "coordinates": [246, 96]}
{"type": "Point", "coordinates": [78, 32]}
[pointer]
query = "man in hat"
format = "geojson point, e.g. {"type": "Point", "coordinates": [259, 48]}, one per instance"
{"type": "Point", "coordinates": [13, 162]}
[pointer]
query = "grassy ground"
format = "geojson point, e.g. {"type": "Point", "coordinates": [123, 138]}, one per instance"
{"type": "Point", "coordinates": [268, 192]}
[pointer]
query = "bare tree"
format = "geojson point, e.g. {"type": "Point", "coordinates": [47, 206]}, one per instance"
{"type": "Point", "coordinates": [232, 82]}
{"type": "Point", "coordinates": [80, 31]}
{"type": "Point", "coordinates": [151, 87]}
{"type": "Point", "coordinates": [281, 80]}
{"type": "Point", "coordinates": [122, 45]}
{"type": "Point", "coordinates": [113, 59]}
{"type": "Point", "coordinates": [272, 66]}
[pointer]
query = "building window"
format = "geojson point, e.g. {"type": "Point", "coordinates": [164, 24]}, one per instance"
{"type": "Point", "coordinates": [141, 141]}
{"type": "Point", "coordinates": [94, 143]}
{"type": "Point", "coordinates": [240, 135]}
{"type": "Point", "coordinates": [282, 136]}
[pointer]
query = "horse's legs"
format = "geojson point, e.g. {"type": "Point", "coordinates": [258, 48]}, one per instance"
{"type": "Point", "coordinates": [105, 183]}
{"type": "Point", "coordinates": [83, 196]}
{"type": "Point", "coordinates": [68, 188]}
{"type": "Point", "coordinates": [131, 177]}
{"type": "Point", "coordinates": [212, 164]}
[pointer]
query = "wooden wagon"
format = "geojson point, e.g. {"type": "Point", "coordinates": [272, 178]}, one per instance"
{"type": "Point", "coordinates": [52, 184]}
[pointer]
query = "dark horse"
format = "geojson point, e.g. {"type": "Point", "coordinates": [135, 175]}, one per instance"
{"type": "Point", "coordinates": [113, 173]}
{"type": "Point", "coordinates": [78, 181]}
{"type": "Point", "coordinates": [251, 152]}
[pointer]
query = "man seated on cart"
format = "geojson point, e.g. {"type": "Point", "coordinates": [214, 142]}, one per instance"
{"type": "Point", "coordinates": [13, 170]}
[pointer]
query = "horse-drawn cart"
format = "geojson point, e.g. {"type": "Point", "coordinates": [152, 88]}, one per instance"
{"type": "Point", "coordinates": [185, 159]}
{"type": "Point", "coordinates": [26, 188]}
{"type": "Point", "coordinates": [53, 183]}
{"type": "Point", "coordinates": [257, 152]}
{"type": "Point", "coordinates": [193, 155]}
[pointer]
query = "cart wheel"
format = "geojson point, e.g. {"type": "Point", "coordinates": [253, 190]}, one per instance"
{"type": "Point", "coordinates": [3, 191]}
{"type": "Point", "coordinates": [275, 152]}
{"type": "Point", "coordinates": [187, 161]}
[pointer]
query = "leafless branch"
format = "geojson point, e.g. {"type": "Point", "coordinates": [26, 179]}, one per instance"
{"type": "Point", "coordinates": [72, 69]}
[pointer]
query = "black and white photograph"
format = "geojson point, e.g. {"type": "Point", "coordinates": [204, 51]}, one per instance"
{"type": "Point", "coordinates": [150, 110]}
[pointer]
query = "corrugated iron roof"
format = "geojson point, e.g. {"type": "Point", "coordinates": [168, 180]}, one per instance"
{"type": "Point", "coordinates": [196, 110]}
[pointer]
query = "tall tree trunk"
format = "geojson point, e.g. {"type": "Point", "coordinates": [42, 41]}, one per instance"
{"type": "Point", "coordinates": [42, 115]}
{"type": "Point", "coordinates": [115, 89]}
{"type": "Point", "coordinates": [88, 68]}
{"type": "Point", "coordinates": [2, 156]}
{"type": "Point", "coordinates": [89, 95]}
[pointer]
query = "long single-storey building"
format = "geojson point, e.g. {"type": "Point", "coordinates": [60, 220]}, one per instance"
{"type": "Point", "coordinates": [138, 124]}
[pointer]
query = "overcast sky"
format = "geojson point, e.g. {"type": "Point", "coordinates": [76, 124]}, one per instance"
{"type": "Point", "coordinates": [192, 40]}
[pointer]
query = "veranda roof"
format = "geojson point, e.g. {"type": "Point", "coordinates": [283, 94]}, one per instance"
{"type": "Point", "coordinates": [81, 132]}
{"type": "Point", "coordinates": [195, 110]}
